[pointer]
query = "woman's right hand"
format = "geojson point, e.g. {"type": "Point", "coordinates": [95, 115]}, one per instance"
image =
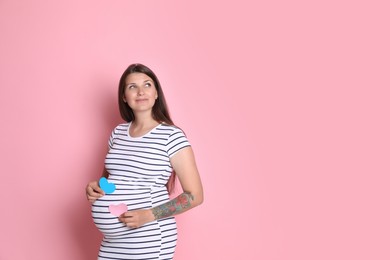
{"type": "Point", "coordinates": [93, 191]}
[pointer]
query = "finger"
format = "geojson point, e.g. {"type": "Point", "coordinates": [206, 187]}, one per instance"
{"type": "Point", "coordinates": [98, 190]}
{"type": "Point", "coordinates": [127, 214]}
{"type": "Point", "coordinates": [95, 187]}
{"type": "Point", "coordinates": [92, 200]}
{"type": "Point", "coordinates": [95, 192]}
{"type": "Point", "coordinates": [131, 225]}
{"type": "Point", "coordinates": [93, 196]}
{"type": "Point", "coordinates": [125, 220]}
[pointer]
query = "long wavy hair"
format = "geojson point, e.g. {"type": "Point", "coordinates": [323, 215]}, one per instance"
{"type": "Point", "coordinates": [160, 111]}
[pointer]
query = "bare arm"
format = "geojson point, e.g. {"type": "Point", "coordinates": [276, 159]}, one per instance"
{"type": "Point", "coordinates": [183, 162]}
{"type": "Point", "coordinates": [178, 205]}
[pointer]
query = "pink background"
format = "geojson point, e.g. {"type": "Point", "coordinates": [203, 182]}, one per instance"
{"type": "Point", "coordinates": [286, 104]}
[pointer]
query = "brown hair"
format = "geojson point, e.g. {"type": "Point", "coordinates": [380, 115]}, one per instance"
{"type": "Point", "coordinates": [160, 111]}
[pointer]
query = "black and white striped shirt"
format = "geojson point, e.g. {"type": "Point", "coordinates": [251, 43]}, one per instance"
{"type": "Point", "coordinates": [140, 168]}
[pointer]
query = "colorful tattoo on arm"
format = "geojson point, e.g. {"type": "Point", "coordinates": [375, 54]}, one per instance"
{"type": "Point", "coordinates": [173, 207]}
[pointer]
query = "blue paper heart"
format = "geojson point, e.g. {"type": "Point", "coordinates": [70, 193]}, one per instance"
{"type": "Point", "coordinates": [106, 186]}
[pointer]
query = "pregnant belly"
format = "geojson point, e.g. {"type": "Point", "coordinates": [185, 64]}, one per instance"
{"type": "Point", "coordinates": [105, 209]}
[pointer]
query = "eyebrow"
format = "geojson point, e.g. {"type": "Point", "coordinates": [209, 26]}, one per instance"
{"type": "Point", "coordinates": [148, 80]}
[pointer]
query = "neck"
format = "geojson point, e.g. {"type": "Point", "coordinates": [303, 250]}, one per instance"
{"type": "Point", "coordinates": [144, 121]}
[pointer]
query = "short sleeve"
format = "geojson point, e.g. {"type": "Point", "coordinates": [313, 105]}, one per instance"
{"type": "Point", "coordinates": [176, 141]}
{"type": "Point", "coordinates": [111, 139]}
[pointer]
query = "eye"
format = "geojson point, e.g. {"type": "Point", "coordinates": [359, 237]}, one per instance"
{"type": "Point", "coordinates": [131, 86]}
{"type": "Point", "coordinates": [148, 85]}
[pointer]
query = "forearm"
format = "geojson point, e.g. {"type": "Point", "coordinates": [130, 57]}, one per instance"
{"type": "Point", "coordinates": [178, 205]}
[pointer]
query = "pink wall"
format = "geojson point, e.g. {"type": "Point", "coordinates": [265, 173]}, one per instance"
{"type": "Point", "coordinates": [286, 104]}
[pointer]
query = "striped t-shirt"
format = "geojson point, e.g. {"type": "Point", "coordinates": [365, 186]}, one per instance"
{"type": "Point", "coordinates": [140, 168]}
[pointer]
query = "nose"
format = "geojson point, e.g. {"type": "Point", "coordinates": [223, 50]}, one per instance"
{"type": "Point", "coordinates": [140, 92]}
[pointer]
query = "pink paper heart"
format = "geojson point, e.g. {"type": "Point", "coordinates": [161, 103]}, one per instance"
{"type": "Point", "coordinates": [117, 210]}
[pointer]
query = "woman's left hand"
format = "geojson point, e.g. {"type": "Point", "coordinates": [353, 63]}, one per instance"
{"type": "Point", "coordinates": [136, 218]}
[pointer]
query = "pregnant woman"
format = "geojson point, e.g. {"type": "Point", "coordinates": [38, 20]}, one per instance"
{"type": "Point", "coordinates": [145, 155]}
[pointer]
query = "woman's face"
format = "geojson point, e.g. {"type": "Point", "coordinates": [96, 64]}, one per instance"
{"type": "Point", "coordinates": [140, 92]}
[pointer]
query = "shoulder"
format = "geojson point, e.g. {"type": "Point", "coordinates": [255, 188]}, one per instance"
{"type": "Point", "coordinates": [176, 139]}
{"type": "Point", "coordinates": [171, 129]}
{"type": "Point", "coordinates": [122, 125]}
{"type": "Point", "coordinates": [120, 128]}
